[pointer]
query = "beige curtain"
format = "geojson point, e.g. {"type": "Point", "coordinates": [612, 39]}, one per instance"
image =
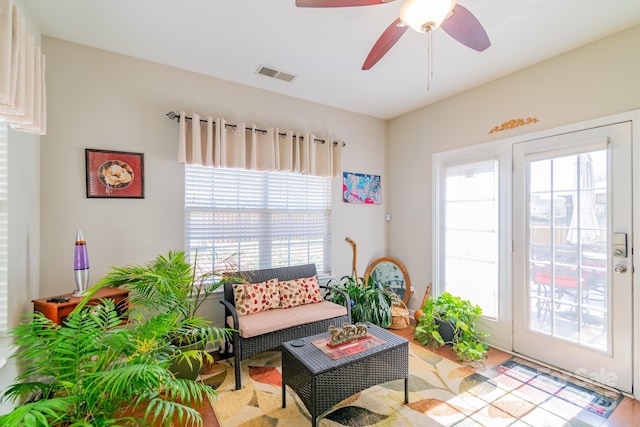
{"type": "Point", "coordinates": [22, 74]}
{"type": "Point", "coordinates": [214, 142]}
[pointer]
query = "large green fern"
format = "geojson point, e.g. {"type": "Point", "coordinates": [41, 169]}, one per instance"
{"type": "Point", "coordinates": [94, 369]}
{"type": "Point", "coordinates": [170, 284]}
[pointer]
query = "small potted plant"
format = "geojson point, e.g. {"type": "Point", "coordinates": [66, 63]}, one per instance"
{"type": "Point", "coordinates": [170, 284]}
{"type": "Point", "coordinates": [370, 302]}
{"type": "Point", "coordinates": [451, 320]}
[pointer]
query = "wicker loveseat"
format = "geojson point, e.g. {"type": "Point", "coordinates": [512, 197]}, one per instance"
{"type": "Point", "coordinates": [265, 330]}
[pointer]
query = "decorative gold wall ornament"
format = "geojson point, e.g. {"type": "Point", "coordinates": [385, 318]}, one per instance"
{"type": "Point", "coordinates": [514, 123]}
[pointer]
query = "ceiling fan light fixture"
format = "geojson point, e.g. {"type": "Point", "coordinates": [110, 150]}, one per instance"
{"type": "Point", "coordinates": [425, 15]}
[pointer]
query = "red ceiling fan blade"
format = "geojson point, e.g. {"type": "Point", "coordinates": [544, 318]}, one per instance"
{"type": "Point", "coordinates": [386, 41]}
{"type": "Point", "coordinates": [465, 28]}
{"type": "Point", "coordinates": [338, 3]}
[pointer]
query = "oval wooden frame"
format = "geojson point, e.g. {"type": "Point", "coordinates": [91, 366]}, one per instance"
{"type": "Point", "coordinates": [407, 281]}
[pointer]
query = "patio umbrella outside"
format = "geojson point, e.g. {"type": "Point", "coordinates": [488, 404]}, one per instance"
{"type": "Point", "coordinates": [584, 223]}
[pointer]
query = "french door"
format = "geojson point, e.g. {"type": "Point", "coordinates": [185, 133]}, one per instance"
{"type": "Point", "coordinates": [572, 252]}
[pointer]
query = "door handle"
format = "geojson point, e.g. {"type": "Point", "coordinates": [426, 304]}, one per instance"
{"type": "Point", "coordinates": [620, 268]}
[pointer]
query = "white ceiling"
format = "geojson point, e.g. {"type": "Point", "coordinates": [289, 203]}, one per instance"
{"type": "Point", "coordinates": [325, 47]}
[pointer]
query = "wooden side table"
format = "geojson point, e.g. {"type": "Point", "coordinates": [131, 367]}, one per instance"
{"type": "Point", "coordinates": [58, 311]}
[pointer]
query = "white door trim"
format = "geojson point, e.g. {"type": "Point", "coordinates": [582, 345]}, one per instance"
{"type": "Point", "coordinates": [634, 118]}
{"type": "Point", "coordinates": [507, 143]}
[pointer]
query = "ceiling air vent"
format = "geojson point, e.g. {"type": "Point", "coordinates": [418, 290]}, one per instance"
{"type": "Point", "coordinates": [270, 72]}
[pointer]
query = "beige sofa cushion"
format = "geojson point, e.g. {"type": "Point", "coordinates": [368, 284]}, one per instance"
{"type": "Point", "coordinates": [283, 318]}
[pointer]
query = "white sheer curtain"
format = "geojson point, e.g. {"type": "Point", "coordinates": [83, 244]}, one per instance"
{"type": "Point", "coordinates": [214, 142]}
{"type": "Point", "coordinates": [22, 70]}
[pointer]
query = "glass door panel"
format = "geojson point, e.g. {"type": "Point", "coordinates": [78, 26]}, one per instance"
{"type": "Point", "coordinates": [567, 247]}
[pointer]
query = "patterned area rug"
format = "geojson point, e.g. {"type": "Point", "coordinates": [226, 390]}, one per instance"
{"type": "Point", "coordinates": [435, 385]}
{"type": "Point", "coordinates": [587, 397]}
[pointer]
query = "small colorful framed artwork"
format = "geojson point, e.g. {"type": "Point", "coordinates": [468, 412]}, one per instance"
{"type": "Point", "coordinates": [114, 174]}
{"type": "Point", "coordinates": [361, 188]}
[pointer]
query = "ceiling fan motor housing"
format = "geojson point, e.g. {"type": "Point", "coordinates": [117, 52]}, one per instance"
{"type": "Point", "coordinates": [425, 15]}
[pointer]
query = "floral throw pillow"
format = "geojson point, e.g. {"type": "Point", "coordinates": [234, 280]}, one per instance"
{"type": "Point", "coordinates": [299, 291]}
{"type": "Point", "coordinates": [255, 297]}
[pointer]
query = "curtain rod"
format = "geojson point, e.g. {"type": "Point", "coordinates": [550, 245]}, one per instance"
{"type": "Point", "coordinates": [176, 117]}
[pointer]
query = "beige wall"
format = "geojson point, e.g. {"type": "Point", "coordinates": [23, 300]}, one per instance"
{"type": "Point", "coordinates": [596, 80]}
{"type": "Point", "coordinates": [98, 99]}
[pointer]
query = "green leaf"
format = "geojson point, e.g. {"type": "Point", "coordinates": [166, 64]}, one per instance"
{"type": "Point", "coordinates": [436, 335]}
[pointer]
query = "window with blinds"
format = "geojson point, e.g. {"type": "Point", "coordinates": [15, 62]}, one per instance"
{"type": "Point", "coordinates": [468, 232]}
{"type": "Point", "coordinates": [259, 219]}
{"type": "Point", "coordinates": [4, 226]}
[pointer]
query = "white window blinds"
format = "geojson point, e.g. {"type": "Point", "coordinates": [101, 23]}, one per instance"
{"type": "Point", "coordinates": [469, 232]}
{"type": "Point", "coordinates": [263, 219]}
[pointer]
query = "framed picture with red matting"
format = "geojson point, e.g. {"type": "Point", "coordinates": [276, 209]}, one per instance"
{"type": "Point", "coordinates": [114, 174]}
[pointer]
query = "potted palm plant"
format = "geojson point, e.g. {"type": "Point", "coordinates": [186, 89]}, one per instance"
{"type": "Point", "coordinates": [370, 302]}
{"type": "Point", "coordinates": [95, 371]}
{"type": "Point", "coordinates": [451, 320]}
{"type": "Point", "coordinates": [170, 284]}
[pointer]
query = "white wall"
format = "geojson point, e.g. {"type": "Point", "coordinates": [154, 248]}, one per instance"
{"type": "Point", "coordinates": [24, 236]}
{"type": "Point", "coordinates": [596, 80]}
{"type": "Point", "coordinates": [98, 99]}
{"type": "Point", "coordinates": [24, 223]}
{"type": "Point", "coordinates": [23, 273]}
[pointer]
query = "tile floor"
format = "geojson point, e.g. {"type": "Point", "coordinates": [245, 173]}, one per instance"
{"type": "Point", "coordinates": [512, 403]}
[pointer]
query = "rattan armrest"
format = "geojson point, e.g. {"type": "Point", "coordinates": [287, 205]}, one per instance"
{"type": "Point", "coordinates": [347, 300]}
{"type": "Point", "coordinates": [232, 311]}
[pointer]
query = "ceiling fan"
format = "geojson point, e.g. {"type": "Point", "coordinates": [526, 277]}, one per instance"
{"type": "Point", "coordinates": [422, 16]}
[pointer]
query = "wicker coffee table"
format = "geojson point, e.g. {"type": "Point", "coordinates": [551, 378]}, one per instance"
{"type": "Point", "coordinates": [321, 382]}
